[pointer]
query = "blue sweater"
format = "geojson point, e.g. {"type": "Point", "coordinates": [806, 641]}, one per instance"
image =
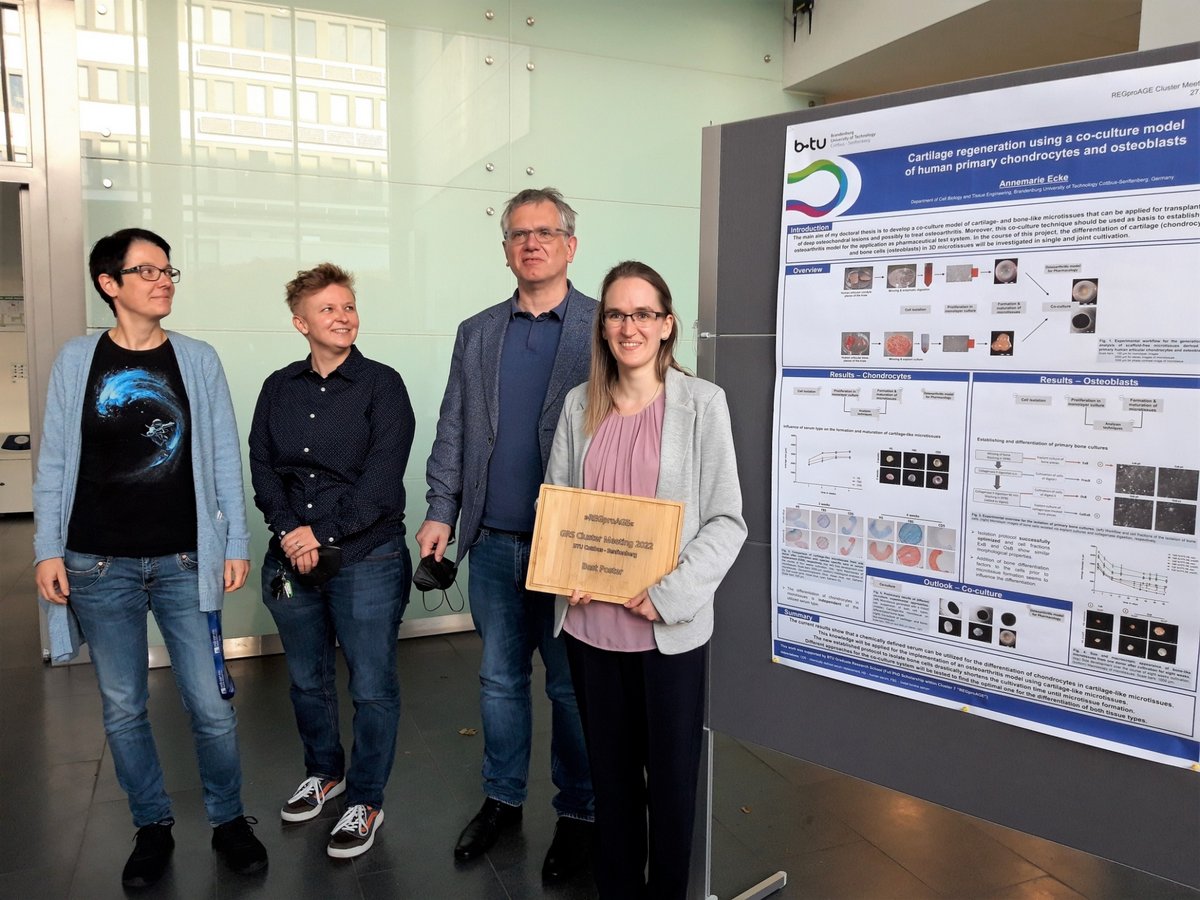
{"type": "Point", "coordinates": [221, 531]}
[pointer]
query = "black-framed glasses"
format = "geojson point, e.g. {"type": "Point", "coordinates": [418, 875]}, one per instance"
{"type": "Point", "coordinates": [152, 273]}
{"type": "Point", "coordinates": [519, 236]}
{"type": "Point", "coordinates": [614, 319]}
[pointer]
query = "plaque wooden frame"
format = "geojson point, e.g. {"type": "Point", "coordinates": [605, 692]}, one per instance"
{"type": "Point", "coordinates": [612, 546]}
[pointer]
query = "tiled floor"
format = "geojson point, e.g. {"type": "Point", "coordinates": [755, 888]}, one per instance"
{"type": "Point", "coordinates": [65, 832]}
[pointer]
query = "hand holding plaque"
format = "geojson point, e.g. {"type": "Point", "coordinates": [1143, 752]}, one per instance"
{"type": "Point", "coordinates": [612, 546]}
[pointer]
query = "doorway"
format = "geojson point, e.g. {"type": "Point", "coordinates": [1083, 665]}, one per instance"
{"type": "Point", "coordinates": [16, 472]}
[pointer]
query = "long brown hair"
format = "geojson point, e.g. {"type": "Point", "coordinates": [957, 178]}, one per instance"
{"type": "Point", "coordinates": [604, 374]}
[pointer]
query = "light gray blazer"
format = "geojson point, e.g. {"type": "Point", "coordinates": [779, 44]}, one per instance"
{"type": "Point", "coordinates": [697, 466]}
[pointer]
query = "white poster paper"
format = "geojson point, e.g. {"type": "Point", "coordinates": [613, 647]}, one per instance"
{"type": "Point", "coordinates": [987, 417]}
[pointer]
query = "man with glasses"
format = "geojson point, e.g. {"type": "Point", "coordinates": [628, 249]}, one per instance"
{"type": "Point", "coordinates": [513, 364]}
{"type": "Point", "coordinates": [138, 506]}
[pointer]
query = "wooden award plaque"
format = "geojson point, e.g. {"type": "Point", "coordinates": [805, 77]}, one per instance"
{"type": "Point", "coordinates": [611, 546]}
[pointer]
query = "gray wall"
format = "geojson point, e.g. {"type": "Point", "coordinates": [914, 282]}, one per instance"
{"type": "Point", "coordinates": [1057, 789]}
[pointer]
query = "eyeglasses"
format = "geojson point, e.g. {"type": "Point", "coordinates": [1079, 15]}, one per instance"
{"type": "Point", "coordinates": [614, 319]}
{"type": "Point", "coordinates": [152, 273]}
{"type": "Point", "coordinates": [519, 236]}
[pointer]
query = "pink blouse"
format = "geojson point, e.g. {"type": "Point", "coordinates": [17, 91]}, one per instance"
{"type": "Point", "coordinates": [623, 459]}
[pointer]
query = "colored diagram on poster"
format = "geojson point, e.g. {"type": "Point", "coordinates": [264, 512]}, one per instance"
{"type": "Point", "coordinates": [1099, 470]}
{"type": "Point", "coordinates": [1064, 308]}
{"type": "Point", "coordinates": [888, 497]}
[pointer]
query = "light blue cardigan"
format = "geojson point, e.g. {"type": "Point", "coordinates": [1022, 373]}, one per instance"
{"type": "Point", "coordinates": [221, 531]}
{"type": "Point", "coordinates": [697, 466]}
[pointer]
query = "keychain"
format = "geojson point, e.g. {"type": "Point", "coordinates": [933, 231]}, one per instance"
{"type": "Point", "coordinates": [281, 585]}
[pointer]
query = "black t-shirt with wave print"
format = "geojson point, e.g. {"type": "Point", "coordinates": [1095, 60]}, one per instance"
{"type": "Point", "coordinates": [135, 495]}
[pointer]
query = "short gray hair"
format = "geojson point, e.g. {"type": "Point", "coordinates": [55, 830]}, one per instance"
{"type": "Point", "coordinates": [566, 215]}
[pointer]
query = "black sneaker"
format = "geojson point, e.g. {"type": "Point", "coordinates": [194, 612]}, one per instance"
{"type": "Point", "coordinates": [242, 851]}
{"type": "Point", "coordinates": [354, 833]}
{"type": "Point", "coordinates": [310, 797]}
{"type": "Point", "coordinates": [151, 853]}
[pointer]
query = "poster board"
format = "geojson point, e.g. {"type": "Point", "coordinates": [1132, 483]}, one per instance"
{"type": "Point", "coordinates": [987, 430]}
{"type": "Point", "coordinates": [892, 738]}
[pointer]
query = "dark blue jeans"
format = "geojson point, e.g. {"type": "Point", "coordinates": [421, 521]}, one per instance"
{"type": "Point", "coordinates": [110, 596]}
{"type": "Point", "coordinates": [513, 623]}
{"type": "Point", "coordinates": [361, 608]}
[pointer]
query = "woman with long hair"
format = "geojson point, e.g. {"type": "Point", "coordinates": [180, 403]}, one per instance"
{"type": "Point", "coordinates": [641, 425]}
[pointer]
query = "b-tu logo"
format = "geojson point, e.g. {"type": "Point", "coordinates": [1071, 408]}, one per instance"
{"type": "Point", "coordinates": [822, 188]}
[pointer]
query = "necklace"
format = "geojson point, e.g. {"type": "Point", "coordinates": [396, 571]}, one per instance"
{"type": "Point", "coordinates": [642, 408]}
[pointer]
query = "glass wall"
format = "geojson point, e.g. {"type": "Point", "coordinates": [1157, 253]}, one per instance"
{"type": "Point", "coordinates": [386, 136]}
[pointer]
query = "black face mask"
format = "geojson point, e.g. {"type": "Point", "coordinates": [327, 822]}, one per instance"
{"type": "Point", "coordinates": [329, 563]}
{"type": "Point", "coordinates": [432, 575]}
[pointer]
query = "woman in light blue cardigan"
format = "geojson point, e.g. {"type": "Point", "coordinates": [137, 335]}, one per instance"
{"type": "Point", "coordinates": [222, 533]}
{"type": "Point", "coordinates": [139, 509]}
{"type": "Point", "coordinates": [640, 425]}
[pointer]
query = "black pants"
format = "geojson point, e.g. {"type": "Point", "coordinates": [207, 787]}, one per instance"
{"type": "Point", "coordinates": [643, 715]}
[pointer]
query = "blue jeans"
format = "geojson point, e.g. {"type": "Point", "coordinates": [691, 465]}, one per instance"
{"type": "Point", "coordinates": [360, 607]}
{"type": "Point", "coordinates": [514, 622]}
{"type": "Point", "coordinates": [110, 596]}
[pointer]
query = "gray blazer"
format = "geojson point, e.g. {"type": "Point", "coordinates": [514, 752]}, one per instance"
{"type": "Point", "coordinates": [697, 466]}
{"type": "Point", "coordinates": [457, 471]}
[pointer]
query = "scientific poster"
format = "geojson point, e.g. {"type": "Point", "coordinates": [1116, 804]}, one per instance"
{"type": "Point", "coordinates": [987, 413]}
